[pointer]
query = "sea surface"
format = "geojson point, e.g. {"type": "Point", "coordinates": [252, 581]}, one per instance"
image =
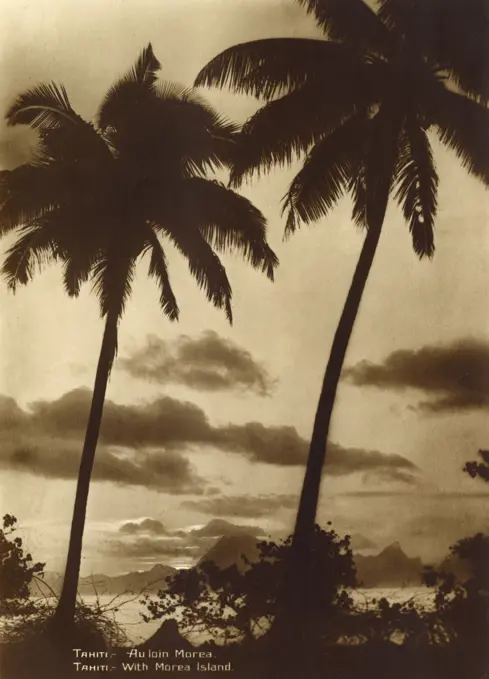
{"type": "Point", "coordinates": [127, 610]}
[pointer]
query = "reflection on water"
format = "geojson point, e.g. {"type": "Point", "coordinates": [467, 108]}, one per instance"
{"type": "Point", "coordinates": [129, 610]}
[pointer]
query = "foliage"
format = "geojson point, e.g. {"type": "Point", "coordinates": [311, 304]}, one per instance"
{"type": "Point", "coordinates": [458, 618]}
{"type": "Point", "coordinates": [378, 81]}
{"type": "Point", "coordinates": [17, 569]}
{"type": "Point", "coordinates": [97, 198]}
{"type": "Point", "coordinates": [241, 603]}
{"type": "Point", "coordinates": [479, 469]}
{"type": "Point", "coordinates": [94, 628]}
{"type": "Point", "coordinates": [462, 602]}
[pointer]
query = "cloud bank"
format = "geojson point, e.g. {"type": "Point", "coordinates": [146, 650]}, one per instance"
{"type": "Point", "coordinates": [206, 363]}
{"type": "Point", "coordinates": [148, 539]}
{"type": "Point", "coordinates": [455, 376]}
{"type": "Point", "coordinates": [145, 444]}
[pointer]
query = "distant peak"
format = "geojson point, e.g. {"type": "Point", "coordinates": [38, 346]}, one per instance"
{"type": "Point", "coordinates": [394, 548]}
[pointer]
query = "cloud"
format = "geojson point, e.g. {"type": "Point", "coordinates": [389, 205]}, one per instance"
{"type": "Point", "coordinates": [360, 542]}
{"type": "Point", "coordinates": [284, 446]}
{"type": "Point", "coordinates": [147, 539]}
{"type": "Point", "coordinates": [166, 471]}
{"type": "Point", "coordinates": [247, 506]}
{"type": "Point", "coordinates": [143, 527]}
{"type": "Point", "coordinates": [143, 444]}
{"type": "Point", "coordinates": [455, 376]}
{"type": "Point", "coordinates": [387, 467]}
{"type": "Point", "coordinates": [163, 422]}
{"type": "Point", "coordinates": [207, 363]}
{"type": "Point", "coordinates": [47, 441]}
{"type": "Point", "coordinates": [220, 528]}
{"type": "Point", "coordinates": [150, 547]}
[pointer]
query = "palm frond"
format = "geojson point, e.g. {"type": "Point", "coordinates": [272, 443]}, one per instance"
{"type": "Point", "coordinates": [127, 95]}
{"type": "Point", "coordinates": [80, 145]}
{"type": "Point", "coordinates": [27, 193]}
{"type": "Point", "coordinates": [35, 247]}
{"type": "Point", "coordinates": [460, 42]}
{"type": "Point", "coordinates": [417, 185]}
{"type": "Point", "coordinates": [146, 67]}
{"type": "Point", "coordinates": [204, 265]}
{"type": "Point", "coordinates": [454, 35]}
{"type": "Point", "coordinates": [170, 131]}
{"type": "Point", "coordinates": [283, 130]}
{"type": "Point", "coordinates": [158, 269]}
{"type": "Point", "coordinates": [78, 265]}
{"type": "Point", "coordinates": [191, 101]}
{"type": "Point", "coordinates": [43, 107]}
{"type": "Point", "coordinates": [350, 21]}
{"type": "Point", "coordinates": [326, 174]}
{"type": "Point", "coordinates": [401, 16]}
{"type": "Point", "coordinates": [358, 190]}
{"type": "Point", "coordinates": [195, 132]}
{"type": "Point", "coordinates": [112, 277]}
{"type": "Point", "coordinates": [36, 189]}
{"type": "Point", "coordinates": [274, 66]}
{"type": "Point", "coordinates": [463, 126]}
{"type": "Point", "coordinates": [228, 222]}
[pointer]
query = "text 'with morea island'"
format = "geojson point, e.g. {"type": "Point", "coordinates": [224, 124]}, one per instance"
{"type": "Point", "coordinates": [177, 660]}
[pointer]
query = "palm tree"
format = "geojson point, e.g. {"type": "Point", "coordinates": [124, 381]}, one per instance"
{"type": "Point", "coordinates": [98, 198]}
{"type": "Point", "coordinates": [359, 105]}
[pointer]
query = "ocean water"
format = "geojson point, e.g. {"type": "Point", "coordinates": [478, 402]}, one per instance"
{"type": "Point", "coordinates": [128, 615]}
{"type": "Point", "coordinates": [127, 610]}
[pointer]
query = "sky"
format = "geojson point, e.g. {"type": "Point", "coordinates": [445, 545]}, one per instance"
{"type": "Point", "coordinates": [204, 420]}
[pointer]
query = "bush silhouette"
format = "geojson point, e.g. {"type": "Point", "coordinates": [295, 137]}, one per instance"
{"type": "Point", "coordinates": [17, 569]}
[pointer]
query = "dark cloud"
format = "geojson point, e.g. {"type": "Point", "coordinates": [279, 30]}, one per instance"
{"type": "Point", "coordinates": [360, 542]}
{"type": "Point", "coordinates": [449, 497]}
{"type": "Point", "coordinates": [151, 547]}
{"type": "Point", "coordinates": [284, 446]}
{"type": "Point", "coordinates": [166, 471]}
{"type": "Point", "coordinates": [455, 375]}
{"type": "Point", "coordinates": [163, 422]}
{"type": "Point", "coordinates": [47, 442]}
{"type": "Point", "coordinates": [144, 527]}
{"type": "Point", "coordinates": [148, 539]}
{"type": "Point", "coordinates": [246, 506]}
{"type": "Point", "coordinates": [385, 467]}
{"type": "Point", "coordinates": [142, 444]}
{"type": "Point", "coordinates": [220, 528]}
{"type": "Point", "coordinates": [376, 493]}
{"type": "Point", "coordinates": [208, 363]}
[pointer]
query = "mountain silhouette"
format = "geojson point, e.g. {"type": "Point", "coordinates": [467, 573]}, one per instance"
{"type": "Point", "coordinates": [359, 542]}
{"type": "Point", "coordinates": [100, 584]}
{"type": "Point", "coordinates": [231, 549]}
{"type": "Point", "coordinates": [462, 569]}
{"type": "Point", "coordinates": [220, 527]}
{"type": "Point", "coordinates": [390, 568]}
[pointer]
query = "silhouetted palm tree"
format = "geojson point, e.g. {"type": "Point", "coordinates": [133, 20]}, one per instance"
{"type": "Point", "coordinates": [98, 198]}
{"type": "Point", "coordinates": [359, 105]}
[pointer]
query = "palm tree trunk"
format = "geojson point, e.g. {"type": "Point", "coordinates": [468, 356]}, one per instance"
{"type": "Point", "coordinates": [381, 161]}
{"type": "Point", "coordinates": [64, 615]}
{"type": "Point", "coordinates": [294, 624]}
{"type": "Point", "coordinates": [294, 619]}
{"type": "Point", "coordinates": [306, 515]}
